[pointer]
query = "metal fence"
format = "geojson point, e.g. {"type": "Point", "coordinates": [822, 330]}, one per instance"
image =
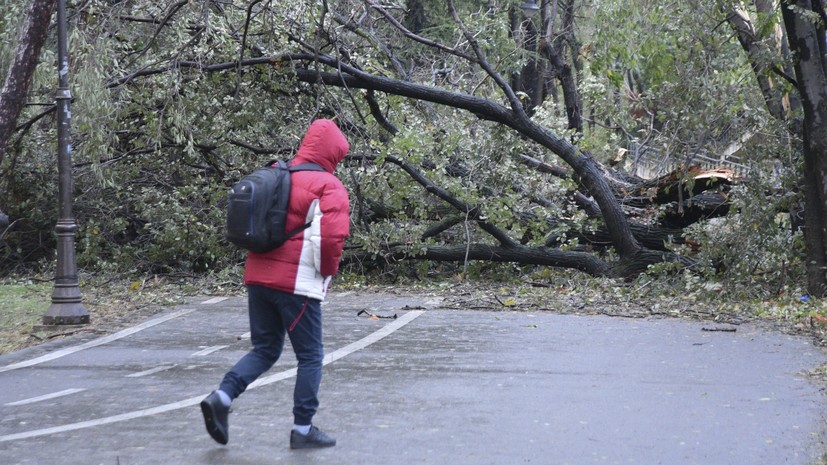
{"type": "Point", "coordinates": [648, 164]}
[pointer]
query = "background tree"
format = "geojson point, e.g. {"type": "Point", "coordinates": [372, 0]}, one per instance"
{"type": "Point", "coordinates": [787, 58]}
{"type": "Point", "coordinates": [19, 73]}
{"type": "Point", "coordinates": [460, 153]}
{"type": "Point", "coordinates": [805, 22]}
{"type": "Point", "coordinates": [21, 69]}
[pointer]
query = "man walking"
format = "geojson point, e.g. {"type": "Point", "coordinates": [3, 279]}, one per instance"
{"type": "Point", "coordinates": [285, 287]}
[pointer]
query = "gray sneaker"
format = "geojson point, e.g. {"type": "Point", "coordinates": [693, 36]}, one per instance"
{"type": "Point", "coordinates": [315, 439]}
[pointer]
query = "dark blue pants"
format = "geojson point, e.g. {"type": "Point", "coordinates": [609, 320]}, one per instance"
{"type": "Point", "coordinates": [272, 315]}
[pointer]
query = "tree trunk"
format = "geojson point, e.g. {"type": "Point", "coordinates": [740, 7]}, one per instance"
{"type": "Point", "coordinates": [759, 52]}
{"type": "Point", "coordinates": [21, 69]}
{"type": "Point", "coordinates": [582, 261]}
{"type": "Point", "coordinates": [415, 18]}
{"type": "Point", "coordinates": [807, 42]}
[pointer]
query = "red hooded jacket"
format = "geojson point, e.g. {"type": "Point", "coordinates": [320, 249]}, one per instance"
{"type": "Point", "coordinates": [307, 261]}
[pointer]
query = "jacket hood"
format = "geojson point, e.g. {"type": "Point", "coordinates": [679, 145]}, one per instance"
{"type": "Point", "coordinates": [323, 144]}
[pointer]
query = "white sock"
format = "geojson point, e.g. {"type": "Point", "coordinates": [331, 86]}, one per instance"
{"type": "Point", "coordinates": [225, 398]}
{"type": "Point", "coordinates": [301, 429]}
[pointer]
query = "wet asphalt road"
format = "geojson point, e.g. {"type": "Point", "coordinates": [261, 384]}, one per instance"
{"type": "Point", "coordinates": [430, 387]}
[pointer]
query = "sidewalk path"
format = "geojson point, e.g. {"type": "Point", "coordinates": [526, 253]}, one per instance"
{"type": "Point", "coordinates": [432, 386]}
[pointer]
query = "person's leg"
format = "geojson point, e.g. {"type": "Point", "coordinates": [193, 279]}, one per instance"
{"type": "Point", "coordinates": [304, 319]}
{"type": "Point", "coordinates": [305, 332]}
{"type": "Point", "coordinates": [267, 337]}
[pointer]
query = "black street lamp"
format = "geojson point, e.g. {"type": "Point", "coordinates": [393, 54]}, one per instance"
{"type": "Point", "coordinates": [66, 308]}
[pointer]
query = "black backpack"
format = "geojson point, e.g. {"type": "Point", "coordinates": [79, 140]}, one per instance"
{"type": "Point", "coordinates": [257, 207]}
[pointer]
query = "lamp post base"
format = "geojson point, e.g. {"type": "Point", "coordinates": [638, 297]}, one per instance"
{"type": "Point", "coordinates": [66, 314]}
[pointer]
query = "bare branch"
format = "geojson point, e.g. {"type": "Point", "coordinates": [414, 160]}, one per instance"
{"type": "Point", "coordinates": [6, 230]}
{"type": "Point", "coordinates": [417, 38]}
{"type": "Point", "coordinates": [350, 26]}
{"type": "Point", "coordinates": [377, 113]}
{"type": "Point", "coordinates": [173, 9]}
{"type": "Point", "coordinates": [516, 104]}
{"type": "Point", "coordinates": [140, 19]}
{"type": "Point", "coordinates": [244, 42]}
{"type": "Point", "coordinates": [443, 225]}
{"type": "Point", "coordinates": [473, 212]}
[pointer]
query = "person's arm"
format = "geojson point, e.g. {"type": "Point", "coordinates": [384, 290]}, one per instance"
{"type": "Point", "coordinates": [335, 227]}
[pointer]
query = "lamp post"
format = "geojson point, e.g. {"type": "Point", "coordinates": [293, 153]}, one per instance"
{"type": "Point", "coordinates": [66, 308]}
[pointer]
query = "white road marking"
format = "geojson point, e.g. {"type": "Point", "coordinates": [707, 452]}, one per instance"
{"type": "Point", "coordinates": [207, 351]}
{"type": "Point", "coordinates": [245, 336]}
{"type": "Point", "coordinates": [214, 300]}
{"type": "Point", "coordinates": [97, 342]}
{"type": "Point", "coordinates": [151, 371]}
{"type": "Point", "coordinates": [53, 395]}
{"type": "Point", "coordinates": [335, 355]}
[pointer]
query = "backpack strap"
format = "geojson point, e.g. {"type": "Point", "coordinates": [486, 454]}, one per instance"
{"type": "Point", "coordinates": [306, 167]}
{"type": "Point", "coordinates": [300, 167]}
{"type": "Point", "coordinates": [276, 164]}
{"type": "Point", "coordinates": [293, 169]}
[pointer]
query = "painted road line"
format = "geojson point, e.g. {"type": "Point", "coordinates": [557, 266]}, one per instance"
{"type": "Point", "coordinates": [336, 355]}
{"type": "Point", "coordinates": [97, 342]}
{"type": "Point", "coordinates": [207, 351]}
{"type": "Point", "coordinates": [53, 395]}
{"type": "Point", "coordinates": [151, 371]}
{"type": "Point", "coordinates": [371, 338]}
{"type": "Point", "coordinates": [214, 300]}
{"type": "Point", "coordinates": [246, 335]}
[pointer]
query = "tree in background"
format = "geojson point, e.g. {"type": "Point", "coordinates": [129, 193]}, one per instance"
{"type": "Point", "coordinates": [20, 71]}
{"type": "Point", "coordinates": [787, 50]}
{"type": "Point", "coordinates": [478, 133]}
{"type": "Point", "coordinates": [805, 22]}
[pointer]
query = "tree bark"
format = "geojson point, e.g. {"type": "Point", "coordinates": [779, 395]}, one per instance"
{"type": "Point", "coordinates": [582, 261]}
{"type": "Point", "coordinates": [759, 52]}
{"type": "Point", "coordinates": [807, 42]}
{"type": "Point", "coordinates": [21, 69]}
{"type": "Point", "coordinates": [535, 78]}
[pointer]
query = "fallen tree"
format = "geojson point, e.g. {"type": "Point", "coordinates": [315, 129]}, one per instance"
{"type": "Point", "coordinates": [604, 194]}
{"type": "Point", "coordinates": [209, 92]}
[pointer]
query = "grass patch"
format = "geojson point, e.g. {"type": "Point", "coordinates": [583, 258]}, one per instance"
{"type": "Point", "coordinates": [21, 307]}
{"type": "Point", "coordinates": [112, 303]}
